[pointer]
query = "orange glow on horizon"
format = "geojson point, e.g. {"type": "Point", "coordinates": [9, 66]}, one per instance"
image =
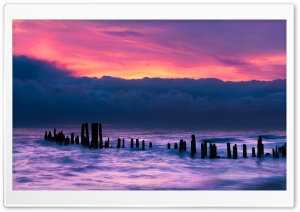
{"type": "Point", "coordinates": [102, 49]}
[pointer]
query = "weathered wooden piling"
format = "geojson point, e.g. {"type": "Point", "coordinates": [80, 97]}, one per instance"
{"type": "Point", "coordinates": [100, 136]}
{"type": "Point", "coordinates": [284, 151]}
{"type": "Point", "coordinates": [202, 151]}
{"type": "Point", "coordinates": [137, 143]}
{"type": "Point", "coordinates": [180, 146]}
{"type": "Point", "coordinates": [184, 146]}
{"type": "Point", "coordinates": [260, 147]}
{"type": "Point", "coordinates": [150, 145]}
{"type": "Point", "coordinates": [87, 137]}
{"type": "Point", "coordinates": [276, 152]}
{"type": "Point", "coordinates": [169, 146]}
{"type": "Point", "coordinates": [143, 145]}
{"type": "Point", "coordinates": [131, 143]}
{"type": "Point", "coordinates": [46, 135]}
{"type": "Point", "coordinates": [107, 142]}
{"type": "Point", "coordinates": [77, 140]}
{"type": "Point", "coordinates": [82, 135]}
{"type": "Point", "coordinates": [49, 136]}
{"type": "Point", "coordinates": [205, 148]}
{"type": "Point", "coordinates": [61, 138]}
{"type": "Point", "coordinates": [94, 141]}
{"type": "Point", "coordinates": [123, 143]}
{"type": "Point", "coordinates": [245, 151]}
{"type": "Point", "coordinates": [67, 140]}
{"type": "Point", "coordinates": [213, 151]}
{"type": "Point", "coordinates": [175, 146]}
{"type": "Point", "coordinates": [273, 153]}
{"type": "Point", "coordinates": [119, 143]}
{"type": "Point", "coordinates": [235, 154]}
{"type": "Point", "coordinates": [55, 136]}
{"type": "Point", "coordinates": [253, 152]}
{"type": "Point", "coordinates": [228, 150]}
{"type": "Point", "coordinates": [193, 145]}
{"type": "Point", "coordinates": [72, 138]}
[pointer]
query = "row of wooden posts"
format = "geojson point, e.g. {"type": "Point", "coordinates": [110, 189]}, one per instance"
{"type": "Point", "coordinates": [213, 149]}
{"type": "Point", "coordinates": [85, 141]}
{"type": "Point", "coordinates": [96, 130]}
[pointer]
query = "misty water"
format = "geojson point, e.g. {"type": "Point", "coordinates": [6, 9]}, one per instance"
{"type": "Point", "coordinates": [44, 165]}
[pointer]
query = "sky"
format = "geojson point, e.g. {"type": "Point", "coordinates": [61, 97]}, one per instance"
{"type": "Point", "coordinates": [187, 74]}
{"type": "Point", "coordinates": [133, 49]}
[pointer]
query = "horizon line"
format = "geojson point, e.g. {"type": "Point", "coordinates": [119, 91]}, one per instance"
{"type": "Point", "coordinates": [183, 78]}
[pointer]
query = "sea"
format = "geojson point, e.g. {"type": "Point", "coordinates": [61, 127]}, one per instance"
{"type": "Point", "coordinates": [39, 164]}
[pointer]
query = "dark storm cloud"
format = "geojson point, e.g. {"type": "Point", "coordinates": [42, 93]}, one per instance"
{"type": "Point", "coordinates": [25, 68]}
{"type": "Point", "coordinates": [230, 62]}
{"type": "Point", "coordinates": [44, 94]}
{"type": "Point", "coordinates": [126, 33]}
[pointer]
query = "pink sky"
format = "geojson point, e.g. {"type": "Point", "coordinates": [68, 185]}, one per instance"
{"type": "Point", "coordinates": [228, 50]}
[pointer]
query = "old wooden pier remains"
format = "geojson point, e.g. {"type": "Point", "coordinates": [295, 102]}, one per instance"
{"type": "Point", "coordinates": [96, 142]}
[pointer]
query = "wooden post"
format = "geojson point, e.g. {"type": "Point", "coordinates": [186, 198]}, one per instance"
{"type": "Point", "coordinates": [55, 136]}
{"type": "Point", "coordinates": [60, 138]}
{"type": "Point", "coordinates": [131, 143]}
{"type": "Point", "coordinates": [184, 146]}
{"type": "Point", "coordinates": [72, 138]}
{"type": "Point", "coordinates": [215, 150]}
{"type": "Point", "coordinates": [100, 136]}
{"type": "Point", "coordinates": [49, 136]}
{"type": "Point", "coordinates": [107, 142]}
{"type": "Point", "coordinates": [202, 151]}
{"type": "Point", "coordinates": [284, 151]}
{"type": "Point", "coordinates": [277, 153]}
{"type": "Point", "coordinates": [260, 147]}
{"type": "Point", "coordinates": [77, 140]}
{"type": "Point", "coordinates": [169, 146]}
{"type": "Point", "coordinates": [67, 140]}
{"type": "Point", "coordinates": [137, 143]}
{"type": "Point", "coordinates": [180, 146]}
{"type": "Point", "coordinates": [46, 136]}
{"type": "Point", "coordinates": [82, 135]}
{"type": "Point", "coordinates": [244, 150]}
{"type": "Point", "coordinates": [273, 153]}
{"type": "Point", "coordinates": [193, 144]}
{"type": "Point", "coordinates": [119, 143]}
{"type": "Point", "coordinates": [210, 150]}
{"type": "Point", "coordinates": [87, 137]}
{"type": "Point", "coordinates": [123, 143]}
{"type": "Point", "coordinates": [253, 152]}
{"type": "Point", "coordinates": [143, 145]}
{"type": "Point", "coordinates": [176, 146]}
{"type": "Point", "coordinates": [94, 141]}
{"type": "Point", "coordinates": [235, 154]}
{"type": "Point", "coordinates": [150, 145]}
{"type": "Point", "coordinates": [205, 148]}
{"type": "Point", "coordinates": [228, 150]}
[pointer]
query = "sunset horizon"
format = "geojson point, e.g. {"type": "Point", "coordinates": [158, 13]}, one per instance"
{"type": "Point", "coordinates": [142, 77]}
{"type": "Point", "coordinates": [134, 49]}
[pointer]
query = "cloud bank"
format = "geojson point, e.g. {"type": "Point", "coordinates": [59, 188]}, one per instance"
{"type": "Point", "coordinates": [44, 94]}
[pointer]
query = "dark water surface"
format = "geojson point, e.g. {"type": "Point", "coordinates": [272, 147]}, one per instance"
{"type": "Point", "coordinates": [45, 165]}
